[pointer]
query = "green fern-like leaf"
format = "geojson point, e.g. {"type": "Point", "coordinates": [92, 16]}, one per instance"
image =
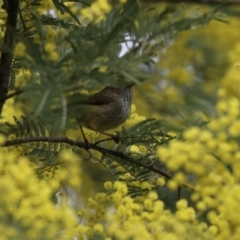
{"type": "Point", "coordinates": [46, 152]}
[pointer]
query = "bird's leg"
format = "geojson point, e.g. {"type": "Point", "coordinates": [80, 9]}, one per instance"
{"type": "Point", "coordinates": [84, 138]}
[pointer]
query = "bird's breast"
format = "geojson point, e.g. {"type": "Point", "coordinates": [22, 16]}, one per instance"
{"type": "Point", "coordinates": [106, 117]}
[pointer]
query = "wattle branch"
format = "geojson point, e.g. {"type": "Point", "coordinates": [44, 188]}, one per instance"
{"type": "Point", "coordinates": [104, 151]}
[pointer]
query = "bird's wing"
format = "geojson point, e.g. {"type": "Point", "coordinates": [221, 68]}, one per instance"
{"type": "Point", "coordinates": [103, 97]}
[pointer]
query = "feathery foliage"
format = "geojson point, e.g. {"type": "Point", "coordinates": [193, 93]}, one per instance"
{"type": "Point", "coordinates": [58, 52]}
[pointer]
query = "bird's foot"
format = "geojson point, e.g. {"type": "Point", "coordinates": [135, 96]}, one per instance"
{"type": "Point", "coordinates": [115, 138]}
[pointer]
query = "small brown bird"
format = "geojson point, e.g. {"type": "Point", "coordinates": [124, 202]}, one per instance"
{"type": "Point", "coordinates": [106, 110]}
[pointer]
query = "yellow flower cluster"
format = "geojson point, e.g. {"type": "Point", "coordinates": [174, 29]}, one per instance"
{"type": "Point", "coordinates": [180, 75]}
{"type": "Point", "coordinates": [127, 218]}
{"type": "Point", "coordinates": [184, 213]}
{"type": "Point", "coordinates": [138, 149]}
{"type": "Point", "coordinates": [46, 5]}
{"type": "Point", "coordinates": [150, 219]}
{"type": "Point", "coordinates": [51, 52]}
{"type": "Point", "coordinates": [20, 49]}
{"type": "Point", "coordinates": [134, 117]}
{"type": "Point", "coordinates": [10, 109]}
{"type": "Point", "coordinates": [26, 200]}
{"type": "Point", "coordinates": [211, 155]}
{"type": "Point", "coordinates": [97, 11]}
{"type": "Point", "coordinates": [50, 41]}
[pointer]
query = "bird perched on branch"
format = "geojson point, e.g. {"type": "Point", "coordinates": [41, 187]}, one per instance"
{"type": "Point", "coordinates": [105, 110]}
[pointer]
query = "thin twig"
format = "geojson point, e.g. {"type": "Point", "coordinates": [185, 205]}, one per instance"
{"type": "Point", "coordinates": [42, 103]}
{"type": "Point", "coordinates": [13, 94]}
{"type": "Point", "coordinates": [64, 113]}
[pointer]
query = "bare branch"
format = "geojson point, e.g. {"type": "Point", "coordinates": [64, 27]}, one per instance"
{"type": "Point", "coordinates": [104, 151]}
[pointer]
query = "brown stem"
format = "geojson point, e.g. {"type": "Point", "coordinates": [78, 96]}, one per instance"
{"type": "Point", "coordinates": [11, 6]}
{"type": "Point", "coordinates": [104, 151]}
